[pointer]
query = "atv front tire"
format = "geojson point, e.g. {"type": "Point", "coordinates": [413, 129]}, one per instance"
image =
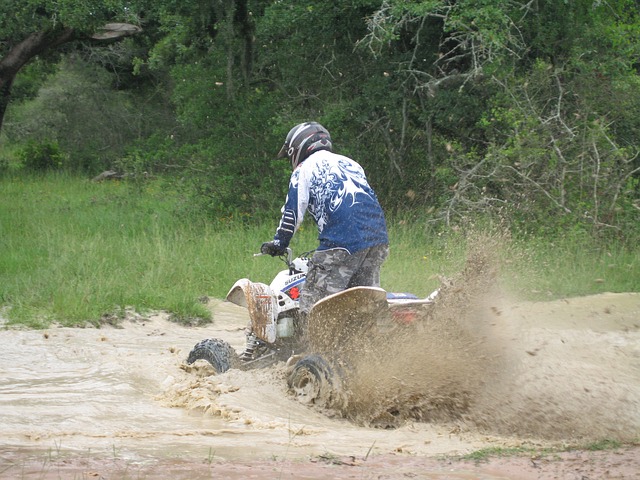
{"type": "Point", "coordinates": [313, 381]}
{"type": "Point", "coordinates": [217, 352]}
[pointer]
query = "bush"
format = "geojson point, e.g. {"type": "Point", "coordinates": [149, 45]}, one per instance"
{"type": "Point", "coordinates": [42, 156]}
{"type": "Point", "coordinates": [79, 110]}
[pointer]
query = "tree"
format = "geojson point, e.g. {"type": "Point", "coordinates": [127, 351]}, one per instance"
{"type": "Point", "coordinates": [464, 106]}
{"type": "Point", "coordinates": [39, 27]}
{"type": "Point", "coordinates": [535, 102]}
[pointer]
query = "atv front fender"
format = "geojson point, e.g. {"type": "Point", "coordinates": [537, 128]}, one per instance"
{"type": "Point", "coordinates": [260, 300]}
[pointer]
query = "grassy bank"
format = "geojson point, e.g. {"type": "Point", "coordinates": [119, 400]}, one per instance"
{"type": "Point", "coordinates": [73, 251]}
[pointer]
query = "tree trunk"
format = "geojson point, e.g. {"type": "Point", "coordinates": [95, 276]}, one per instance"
{"type": "Point", "coordinates": [22, 53]}
{"type": "Point", "coordinates": [5, 93]}
{"type": "Point", "coordinates": [39, 42]}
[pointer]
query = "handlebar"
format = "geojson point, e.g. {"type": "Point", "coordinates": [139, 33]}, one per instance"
{"type": "Point", "coordinates": [289, 255]}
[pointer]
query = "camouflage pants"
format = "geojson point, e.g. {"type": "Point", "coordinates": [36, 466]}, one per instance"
{"type": "Point", "coordinates": [331, 271]}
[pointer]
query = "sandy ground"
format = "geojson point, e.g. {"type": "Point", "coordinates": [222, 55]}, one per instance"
{"type": "Point", "coordinates": [537, 381]}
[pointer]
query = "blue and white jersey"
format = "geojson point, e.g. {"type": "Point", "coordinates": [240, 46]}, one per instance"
{"type": "Point", "coordinates": [335, 192]}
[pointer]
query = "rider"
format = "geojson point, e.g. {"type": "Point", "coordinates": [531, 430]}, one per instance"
{"type": "Point", "coordinates": [351, 226]}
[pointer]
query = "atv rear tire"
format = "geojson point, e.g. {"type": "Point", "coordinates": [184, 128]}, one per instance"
{"type": "Point", "coordinates": [313, 381]}
{"type": "Point", "coordinates": [217, 352]}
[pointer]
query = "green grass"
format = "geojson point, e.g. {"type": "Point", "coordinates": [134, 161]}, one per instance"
{"type": "Point", "coordinates": [485, 454]}
{"type": "Point", "coordinates": [72, 251]}
{"type": "Point", "coordinates": [567, 267]}
{"type": "Point", "coordinates": [604, 444]}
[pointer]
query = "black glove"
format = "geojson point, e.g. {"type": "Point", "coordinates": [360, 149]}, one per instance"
{"type": "Point", "coordinates": [271, 248]}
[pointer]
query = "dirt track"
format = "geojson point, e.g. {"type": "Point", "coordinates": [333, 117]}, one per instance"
{"type": "Point", "coordinates": [118, 403]}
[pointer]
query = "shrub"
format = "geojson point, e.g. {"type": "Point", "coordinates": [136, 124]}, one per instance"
{"type": "Point", "coordinates": [42, 156]}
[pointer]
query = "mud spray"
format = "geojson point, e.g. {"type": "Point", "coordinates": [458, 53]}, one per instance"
{"type": "Point", "coordinates": [433, 368]}
{"type": "Point", "coordinates": [468, 362]}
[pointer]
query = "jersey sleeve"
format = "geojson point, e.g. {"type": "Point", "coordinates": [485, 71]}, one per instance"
{"type": "Point", "coordinates": [292, 211]}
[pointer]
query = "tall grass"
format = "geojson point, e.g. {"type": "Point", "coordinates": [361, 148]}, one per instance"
{"type": "Point", "coordinates": [73, 251]}
{"type": "Point", "coordinates": [545, 268]}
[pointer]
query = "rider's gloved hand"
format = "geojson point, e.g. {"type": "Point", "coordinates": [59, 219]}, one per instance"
{"type": "Point", "coordinates": [273, 249]}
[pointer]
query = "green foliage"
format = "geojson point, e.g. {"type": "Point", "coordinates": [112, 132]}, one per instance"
{"type": "Point", "coordinates": [32, 77]}
{"type": "Point", "coordinates": [226, 145]}
{"type": "Point", "coordinates": [148, 156]}
{"type": "Point", "coordinates": [42, 156]}
{"type": "Point", "coordinates": [560, 155]}
{"type": "Point", "coordinates": [78, 110]}
{"type": "Point", "coordinates": [526, 112]}
{"type": "Point", "coordinates": [18, 20]}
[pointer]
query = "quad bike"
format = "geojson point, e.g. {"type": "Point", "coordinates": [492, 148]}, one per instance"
{"type": "Point", "coordinates": [316, 348]}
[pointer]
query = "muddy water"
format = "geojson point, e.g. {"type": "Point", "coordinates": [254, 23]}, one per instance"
{"type": "Point", "coordinates": [123, 392]}
{"type": "Point", "coordinates": [571, 372]}
{"type": "Point", "coordinates": [94, 389]}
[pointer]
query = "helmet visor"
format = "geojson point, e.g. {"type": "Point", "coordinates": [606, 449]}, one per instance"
{"type": "Point", "coordinates": [283, 151]}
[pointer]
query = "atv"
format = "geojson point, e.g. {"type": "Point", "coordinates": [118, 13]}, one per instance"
{"type": "Point", "coordinates": [316, 348]}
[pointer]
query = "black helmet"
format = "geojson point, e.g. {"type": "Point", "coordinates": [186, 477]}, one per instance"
{"type": "Point", "coordinates": [302, 140]}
